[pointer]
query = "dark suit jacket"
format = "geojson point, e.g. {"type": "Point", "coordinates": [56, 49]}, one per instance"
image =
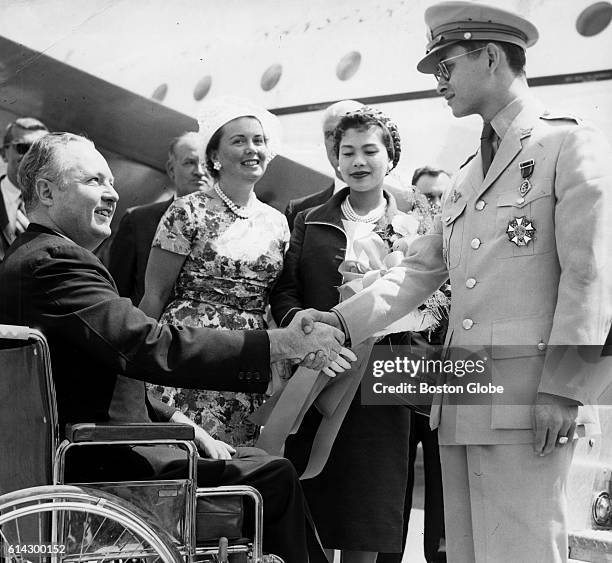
{"type": "Point", "coordinates": [131, 246]}
{"type": "Point", "coordinates": [306, 202]}
{"type": "Point", "coordinates": [102, 347]}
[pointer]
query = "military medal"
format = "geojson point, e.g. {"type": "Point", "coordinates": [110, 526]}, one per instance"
{"type": "Point", "coordinates": [526, 171]}
{"type": "Point", "coordinates": [520, 231]}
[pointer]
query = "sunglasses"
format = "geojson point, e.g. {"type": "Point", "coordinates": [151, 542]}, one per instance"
{"type": "Point", "coordinates": [20, 148]}
{"type": "Point", "coordinates": [442, 70]}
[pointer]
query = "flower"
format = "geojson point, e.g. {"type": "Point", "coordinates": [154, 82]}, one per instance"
{"type": "Point", "coordinates": [379, 251]}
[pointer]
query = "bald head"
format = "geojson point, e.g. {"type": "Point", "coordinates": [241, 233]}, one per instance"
{"type": "Point", "coordinates": [331, 118]}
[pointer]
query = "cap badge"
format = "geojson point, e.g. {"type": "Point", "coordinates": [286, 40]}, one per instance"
{"type": "Point", "coordinates": [520, 231]}
{"type": "Point", "coordinates": [526, 168]}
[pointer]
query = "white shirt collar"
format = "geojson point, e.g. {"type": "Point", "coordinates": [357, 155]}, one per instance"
{"type": "Point", "coordinates": [338, 184]}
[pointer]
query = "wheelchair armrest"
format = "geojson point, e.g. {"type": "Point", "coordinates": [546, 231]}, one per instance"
{"type": "Point", "coordinates": [90, 432]}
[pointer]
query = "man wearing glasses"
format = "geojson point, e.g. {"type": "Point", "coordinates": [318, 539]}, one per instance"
{"type": "Point", "coordinates": [526, 239]}
{"type": "Point", "coordinates": [18, 138]}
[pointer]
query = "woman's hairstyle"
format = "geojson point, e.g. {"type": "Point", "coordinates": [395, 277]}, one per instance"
{"type": "Point", "coordinates": [213, 145]}
{"type": "Point", "coordinates": [364, 118]}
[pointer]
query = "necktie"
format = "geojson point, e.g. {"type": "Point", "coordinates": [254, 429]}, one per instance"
{"type": "Point", "coordinates": [21, 220]}
{"type": "Point", "coordinates": [487, 151]}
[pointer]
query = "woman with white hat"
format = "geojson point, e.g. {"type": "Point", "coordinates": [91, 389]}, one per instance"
{"type": "Point", "coordinates": [215, 256]}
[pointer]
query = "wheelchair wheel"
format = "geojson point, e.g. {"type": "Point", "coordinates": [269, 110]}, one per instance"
{"type": "Point", "coordinates": [66, 523]}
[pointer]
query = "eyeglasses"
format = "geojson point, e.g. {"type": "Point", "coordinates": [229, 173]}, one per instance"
{"type": "Point", "coordinates": [442, 70]}
{"type": "Point", "coordinates": [20, 148]}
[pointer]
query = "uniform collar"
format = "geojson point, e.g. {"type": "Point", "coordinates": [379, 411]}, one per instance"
{"type": "Point", "coordinates": [504, 117]}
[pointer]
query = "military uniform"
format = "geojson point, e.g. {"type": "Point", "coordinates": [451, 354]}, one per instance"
{"type": "Point", "coordinates": [528, 249]}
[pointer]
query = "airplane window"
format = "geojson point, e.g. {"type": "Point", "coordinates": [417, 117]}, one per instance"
{"type": "Point", "coordinates": [160, 92]}
{"type": "Point", "coordinates": [270, 77]}
{"type": "Point", "coordinates": [348, 65]}
{"type": "Point", "coordinates": [202, 88]}
{"type": "Point", "coordinates": [594, 19]}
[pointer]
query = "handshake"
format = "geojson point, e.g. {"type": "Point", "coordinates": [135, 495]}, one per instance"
{"type": "Point", "coordinates": [314, 340]}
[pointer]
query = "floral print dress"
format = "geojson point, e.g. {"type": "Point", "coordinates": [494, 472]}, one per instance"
{"type": "Point", "coordinates": [224, 283]}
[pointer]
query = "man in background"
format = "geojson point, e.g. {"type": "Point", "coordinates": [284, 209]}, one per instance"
{"type": "Point", "coordinates": [331, 118]}
{"type": "Point", "coordinates": [432, 183]}
{"type": "Point", "coordinates": [129, 253]}
{"type": "Point", "coordinates": [18, 138]}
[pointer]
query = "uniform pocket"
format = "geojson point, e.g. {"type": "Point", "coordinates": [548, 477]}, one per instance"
{"type": "Point", "coordinates": [525, 226]}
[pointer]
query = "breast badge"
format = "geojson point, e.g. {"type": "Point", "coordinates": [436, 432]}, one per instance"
{"type": "Point", "coordinates": [526, 171]}
{"type": "Point", "coordinates": [520, 231]}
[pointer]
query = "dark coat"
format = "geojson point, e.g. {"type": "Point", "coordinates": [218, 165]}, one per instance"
{"type": "Point", "coordinates": [102, 347]}
{"type": "Point", "coordinates": [357, 501]}
{"type": "Point", "coordinates": [129, 252]}
{"type": "Point", "coordinates": [307, 202]}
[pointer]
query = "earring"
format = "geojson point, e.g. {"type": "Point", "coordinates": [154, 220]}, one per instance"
{"type": "Point", "coordinates": [217, 165]}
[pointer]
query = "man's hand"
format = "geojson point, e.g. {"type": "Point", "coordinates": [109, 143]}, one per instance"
{"type": "Point", "coordinates": [308, 318]}
{"type": "Point", "coordinates": [208, 446]}
{"type": "Point", "coordinates": [553, 421]}
{"type": "Point", "coordinates": [211, 448]}
{"type": "Point", "coordinates": [316, 347]}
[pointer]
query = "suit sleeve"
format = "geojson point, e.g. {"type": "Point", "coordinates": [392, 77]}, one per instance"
{"type": "Point", "coordinates": [77, 300]}
{"type": "Point", "coordinates": [122, 259]}
{"type": "Point", "coordinates": [583, 234]}
{"type": "Point", "coordinates": [286, 296]}
{"type": "Point", "coordinates": [402, 289]}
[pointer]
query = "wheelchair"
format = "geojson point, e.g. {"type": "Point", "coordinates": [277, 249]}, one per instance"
{"type": "Point", "coordinates": [44, 518]}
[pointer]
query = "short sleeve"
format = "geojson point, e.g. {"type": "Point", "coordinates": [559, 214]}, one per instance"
{"type": "Point", "coordinates": [177, 227]}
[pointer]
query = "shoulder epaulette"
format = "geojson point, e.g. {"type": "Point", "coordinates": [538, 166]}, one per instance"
{"type": "Point", "coordinates": [552, 116]}
{"type": "Point", "coordinates": [468, 160]}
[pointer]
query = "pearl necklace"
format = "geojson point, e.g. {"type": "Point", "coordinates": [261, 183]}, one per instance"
{"type": "Point", "coordinates": [240, 212]}
{"type": "Point", "coordinates": [371, 217]}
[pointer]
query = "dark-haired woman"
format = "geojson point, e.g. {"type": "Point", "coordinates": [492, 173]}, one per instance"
{"type": "Point", "coordinates": [357, 500]}
{"type": "Point", "coordinates": [218, 252]}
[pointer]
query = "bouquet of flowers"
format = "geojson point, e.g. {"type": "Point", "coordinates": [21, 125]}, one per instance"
{"type": "Point", "coordinates": [375, 252]}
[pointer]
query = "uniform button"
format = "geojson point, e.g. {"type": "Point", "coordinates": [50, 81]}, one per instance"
{"type": "Point", "coordinates": [241, 376]}
{"type": "Point", "coordinates": [520, 200]}
{"type": "Point", "coordinates": [475, 243]}
{"type": "Point", "coordinates": [467, 324]}
{"type": "Point", "coordinates": [249, 376]}
{"type": "Point", "coordinates": [257, 376]}
{"type": "Point", "coordinates": [470, 283]}
{"type": "Point", "coordinates": [541, 346]}
{"type": "Point", "coordinates": [480, 205]}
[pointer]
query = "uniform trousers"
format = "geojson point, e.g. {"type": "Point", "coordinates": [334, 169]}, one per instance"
{"type": "Point", "coordinates": [504, 503]}
{"type": "Point", "coordinates": [284, 524]}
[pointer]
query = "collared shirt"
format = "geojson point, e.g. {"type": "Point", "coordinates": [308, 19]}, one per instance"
{"type": "Point", "coordinates": [338, 184]}
{"type": "Point", "coordinates": [505, 116]}
{"type": "Point", "coordinates": [12, 195]}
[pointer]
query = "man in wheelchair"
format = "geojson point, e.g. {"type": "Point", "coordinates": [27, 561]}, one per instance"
{"type": "Point", "coordinates": [103, 348]}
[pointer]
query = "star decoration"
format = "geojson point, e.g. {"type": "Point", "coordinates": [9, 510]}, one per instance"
{"type": "Point", "coordinates": [521, 231]}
